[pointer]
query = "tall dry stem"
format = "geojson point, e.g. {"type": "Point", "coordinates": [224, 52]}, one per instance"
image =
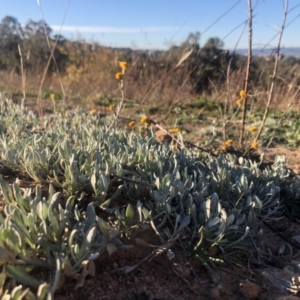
{"type": "Point", "coordinates": [52, 49]}
{"type": "Point", "coordinates": [228, 83]}
{"type": "Point", "coordinates": [277, 58]}
{"type": "Point", "coordinates": [120, 105]}
{"type": "Point", "coordinates": [23, 74]}
{"type": "Point", "coordinates": [249, 58]}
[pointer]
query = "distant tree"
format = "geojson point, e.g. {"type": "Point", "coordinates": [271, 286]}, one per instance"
{"type": "Point", "coordinates": [35, 43]}
{"type": "Point", "coordinates": [37, 29]}
{"type": "Point", "coordinates": [208, 64]}
{"type": "Point", "coordinates": [11, 35]}
{"type": "Point", "coordinates": [10, 28]}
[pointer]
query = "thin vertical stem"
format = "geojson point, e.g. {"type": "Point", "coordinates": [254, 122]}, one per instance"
{"type": "Point", "coordinates": [277, 57]}
{"type": "Point", "coordinates": [249, 59]}
{"type": "Point", "coordinates": [22, 72]}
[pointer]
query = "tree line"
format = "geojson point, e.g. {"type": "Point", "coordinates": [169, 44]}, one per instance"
{"type": "Point", "coordinates": [207, 68]}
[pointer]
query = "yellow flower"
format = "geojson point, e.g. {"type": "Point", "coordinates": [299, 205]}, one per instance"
{"type": "Point", "coordinates": [252, 128]}
{"type": "Point", "coordinates": [93, 112]}
{"type": "Point", "coordinates": [174, 130]}
{"type": "Point", "coordinates": [239, 102]}
{"type": "Point", "coordinates": [52, 96]}
{"type": "Point", "coordinates": [243, 94]}
{"type": "Point", "coordinates": [228, 143]}
{"type": "Point", "coordinates": [223, 148]}
{"type": "Point", "coordinates": [119, 76]}
{"type": "Point", "coordinates": [254, 145]}
{"type": "Point", "coordinates": [123, 65]}
{"type": "Point", "coordinates": [145, 120]}
{"type": "Point", "coordinates": [111, 107]}
{"type": "Point", "coordinates": [131, 123]}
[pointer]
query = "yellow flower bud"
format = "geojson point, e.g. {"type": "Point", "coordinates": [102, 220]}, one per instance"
{"type": "Point", "coordinates": [52, 96]}
{"type": "Point", "coordinates": [131, 123]}
{"type": "Point", "coordinates": [228, 143]}
{"type": "Point", "coordinates": [93, 112]}
{"type": "Point", "coordinates": [145, 120]}
{"type": "Point", "coordinates": [111, 107]}
{"type": "Point", "coordinates": [123, 65]}
{"type": "Point", "coordinates": [243, 94]}
{"type": "Point", "coordinates": [254, 145]}
{"type": "Point", "coordinates": [174, 130]}
{"type": "Point", "coordinates": [252, 128]}
{"type": "Point", "coordinates": [119, 76]}
{"type": "Point", "coordinates": [223, 148]}
{"type": "Point", "coordinates": [239, 102]}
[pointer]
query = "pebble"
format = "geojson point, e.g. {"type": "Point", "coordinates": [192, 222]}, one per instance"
{"type": "Point", "coordinates": [249, 290]}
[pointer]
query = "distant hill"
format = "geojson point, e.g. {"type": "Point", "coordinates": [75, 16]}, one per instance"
{"type": "Point", "coordinates": [291, 51]}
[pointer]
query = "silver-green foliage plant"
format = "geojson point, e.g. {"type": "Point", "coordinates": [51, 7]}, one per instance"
{"type": "Point", "coordinates": [135, 183]}
{"type": "Point", "coordinates": [36, 232]}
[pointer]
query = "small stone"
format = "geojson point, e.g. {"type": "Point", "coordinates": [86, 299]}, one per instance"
{"type": "Point", "coordinates": [249, 290]}
{"type": "Point", "coordinates": [290, 297]}
{"type": "Point", "coordinates": [115, 265]}
{"type": "Point", "coordinates": [215, 293]}
{"type": "Point", "coordinates": [89, 283]}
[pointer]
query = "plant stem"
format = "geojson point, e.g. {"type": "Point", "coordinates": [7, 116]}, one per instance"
{"type": "Point", "coordinates": [249, 58]}
{"type": "Point", "coordinates": [277, 57]}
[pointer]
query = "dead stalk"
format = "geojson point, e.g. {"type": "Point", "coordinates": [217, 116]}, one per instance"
{"type": "Point", "coordinates": [48, 63]}
{"type": "Point", "coordinates": [249, 58]}
{"type": "Point", "coordinates": [277, 57]}
{"type": "Point", "coordinates": [23, 74]}
{"type": "Point", "coordinates": [116, 115]}
{"type": "Point", "coordinates": [226, 108]}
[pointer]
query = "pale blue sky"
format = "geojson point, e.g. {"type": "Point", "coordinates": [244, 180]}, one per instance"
{"type": "Point", "coordinates": [157, 24]}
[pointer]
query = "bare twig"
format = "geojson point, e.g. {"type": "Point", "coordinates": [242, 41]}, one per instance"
{"type": "Point", "coordinates": [249, 58]}
{"type": "Point", "coordinates": [49, 60]}
{"type": "Point", "coordinates": [161, 249]}
{"type": "Point", "coordinates": [23, 74]}
{"type": "Point", "coordinates": [134, 181]}
{"type": "Point", "coordinates": [277, 57]}
{"type": "Point", "coordinates": [120, 105]}
{"type": "Point", "coordinates": [228, 84]}
{"type": "Point", "coordinates": [213, 276]}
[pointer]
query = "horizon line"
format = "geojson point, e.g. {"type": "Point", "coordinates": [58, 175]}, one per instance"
{"type": "Point", "coordinates": [104, 29]}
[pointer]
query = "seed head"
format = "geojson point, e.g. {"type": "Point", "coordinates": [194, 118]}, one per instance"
{"type": "Point", "coordinates": [145, 120]}
{"type": "Point", "coordinates": [123, 65]}
{"type": "Point", "coordinates": [254, 145]}
{"type": "Point", "coordinates": [243, 94]}
{"type": "Point", "coordinates": [111, 107]}
{"type": "Point", "coordinates": [252, 129]}
{"type": "Point", "coordinates": [119, 76]}
{"type": "Point", "coordinates": [131, 123]}
{"type": "Point", "coordinates": [174, 130]}
{"type": "Point", "coordinates": [239, 102]}
{"type": "Point", "coordinates": [228, 143]}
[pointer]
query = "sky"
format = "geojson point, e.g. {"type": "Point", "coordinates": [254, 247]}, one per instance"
{"type": "Point", "coordinates": [159, 24]}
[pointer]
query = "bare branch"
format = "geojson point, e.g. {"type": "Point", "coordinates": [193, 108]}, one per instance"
{"type": "Point", "coordinates": [249, 58]}
{"type": "Point", "coordinates": [277, 58]}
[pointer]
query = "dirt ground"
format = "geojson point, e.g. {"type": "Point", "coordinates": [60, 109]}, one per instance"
{"type": "Point", "coordinates": [242, 275]}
